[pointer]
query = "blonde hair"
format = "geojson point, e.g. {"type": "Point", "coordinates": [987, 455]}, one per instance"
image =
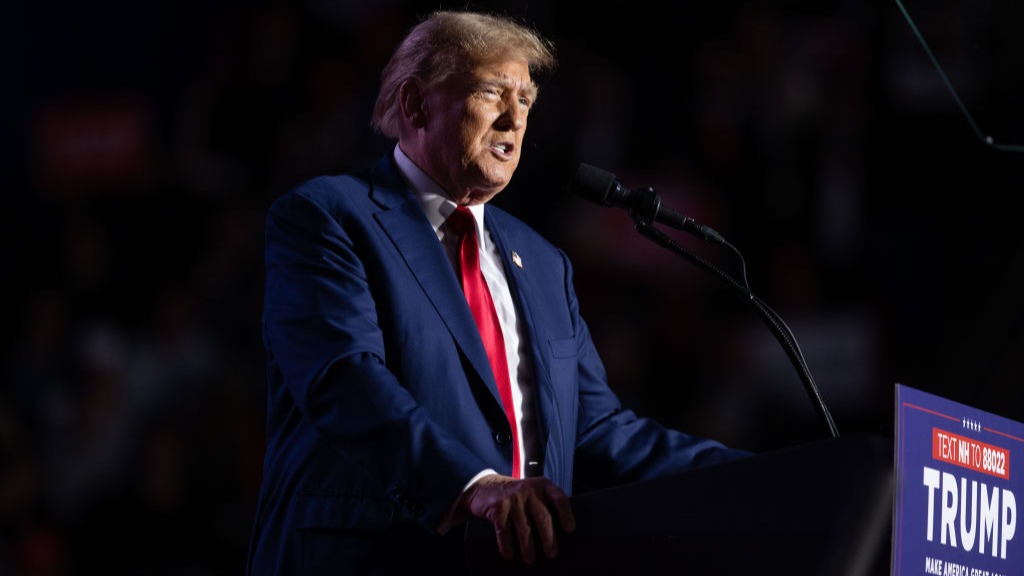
{"type": "Point", "coordinates": [447, 43]}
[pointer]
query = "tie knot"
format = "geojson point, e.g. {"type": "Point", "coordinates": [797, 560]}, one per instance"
{"type": "Point", "coordinates": [462, 221]}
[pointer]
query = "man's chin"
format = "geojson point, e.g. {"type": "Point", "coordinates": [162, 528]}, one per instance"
{"type": "Point", "coordinates": [490, 187]}
{"type": "Point", "coordinates": [484, 196]}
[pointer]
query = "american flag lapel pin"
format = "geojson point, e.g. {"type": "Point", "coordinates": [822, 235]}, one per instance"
{"type": "Point", "coordinates": [516, 259]}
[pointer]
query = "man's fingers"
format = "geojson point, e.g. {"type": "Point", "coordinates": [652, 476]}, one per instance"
{"type": "Point", "coordinates": [544, 526]}
{"type": "Point", "coordinates": [506, 545]}
{"type": "Point", "coordinates": [521, 513]}
{"type": "Point", "coordinates": [563, 506]}
{"type": "Point", "coordinates": [521, 521]}
{"type": "Point", "coordinates": [524, 534]}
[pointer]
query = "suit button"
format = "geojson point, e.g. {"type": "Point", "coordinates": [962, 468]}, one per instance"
{"type": "Point", "coordinates": [502, 437]}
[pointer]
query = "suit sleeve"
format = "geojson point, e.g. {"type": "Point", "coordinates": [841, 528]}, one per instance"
{"type": "Point", "coordinates": [616, 445]}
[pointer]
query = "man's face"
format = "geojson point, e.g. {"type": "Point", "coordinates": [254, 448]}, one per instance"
{"type": "Point", "coordinates": [474, 130]}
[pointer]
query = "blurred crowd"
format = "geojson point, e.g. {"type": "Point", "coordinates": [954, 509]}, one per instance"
{"type": "Point", "coordinates": [150, 137]}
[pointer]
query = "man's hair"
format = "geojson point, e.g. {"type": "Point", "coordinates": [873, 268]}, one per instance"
{"type": "Point", "coordinates": [448, 43]}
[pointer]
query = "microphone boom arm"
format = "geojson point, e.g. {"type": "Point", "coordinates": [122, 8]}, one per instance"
{"type": "Point", "coordinates": [775, 323]}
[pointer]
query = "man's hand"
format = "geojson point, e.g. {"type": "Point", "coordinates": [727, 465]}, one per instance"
{"type": "Point", "coordinates": [519, 508]}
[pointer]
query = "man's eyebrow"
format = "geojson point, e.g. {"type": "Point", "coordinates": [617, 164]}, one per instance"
{"type": "Point", "coordinates": [529, 90]}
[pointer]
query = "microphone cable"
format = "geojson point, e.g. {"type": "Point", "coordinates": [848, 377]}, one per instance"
{"type": "Point", "coordinates": [988, 140]}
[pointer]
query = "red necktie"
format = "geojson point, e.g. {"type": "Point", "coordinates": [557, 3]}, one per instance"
{"type": "Point", "coordinates": [479, 298]}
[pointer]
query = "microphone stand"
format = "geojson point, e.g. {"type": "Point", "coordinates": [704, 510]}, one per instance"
{"type": "Point", "coordinates": [778, 327]}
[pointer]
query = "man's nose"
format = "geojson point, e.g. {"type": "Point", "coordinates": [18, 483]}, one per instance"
{"type": "Point", "coordinates": [514, 116]}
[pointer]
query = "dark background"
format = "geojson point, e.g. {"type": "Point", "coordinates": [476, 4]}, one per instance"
{"type": "Point", "coordinates": [143, 141]}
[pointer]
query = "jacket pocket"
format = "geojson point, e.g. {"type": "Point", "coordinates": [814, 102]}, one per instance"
{"type": "Point", "coordinates": [563, 348]}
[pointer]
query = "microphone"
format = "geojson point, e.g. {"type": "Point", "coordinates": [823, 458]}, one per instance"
{"type": "Point", "coordinates": [603, 188]}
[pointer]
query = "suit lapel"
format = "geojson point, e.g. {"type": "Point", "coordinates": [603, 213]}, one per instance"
{"type": "Point", "coordinates": [403, 221]}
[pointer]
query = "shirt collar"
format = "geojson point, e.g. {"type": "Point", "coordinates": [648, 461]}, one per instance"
{"type": "Point", "coordinates": [431, 197]}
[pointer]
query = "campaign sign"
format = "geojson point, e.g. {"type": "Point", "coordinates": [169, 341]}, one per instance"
{"type": "Point", "coordinates": [959, 478]}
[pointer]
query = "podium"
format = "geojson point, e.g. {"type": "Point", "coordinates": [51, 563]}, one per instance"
{"type": "Point", "coordinates": [821, 508]}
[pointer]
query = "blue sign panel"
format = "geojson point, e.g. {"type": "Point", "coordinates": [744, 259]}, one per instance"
{"type": "Point", "coordinates": [959, 473]}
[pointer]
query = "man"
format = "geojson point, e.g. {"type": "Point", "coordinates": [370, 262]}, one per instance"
{"type": "Point", "coordinates": [386, 425]}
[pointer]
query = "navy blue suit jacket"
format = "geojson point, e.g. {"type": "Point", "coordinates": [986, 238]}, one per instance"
{"type": "Point", "coordinates": [381, 404]}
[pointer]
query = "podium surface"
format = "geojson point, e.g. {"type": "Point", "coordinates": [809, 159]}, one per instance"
{"type": "Point", "coordinates": [821, 508]}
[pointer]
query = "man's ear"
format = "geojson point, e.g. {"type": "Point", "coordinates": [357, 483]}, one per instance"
{"type": "Point", "coordinates": [414, 105]}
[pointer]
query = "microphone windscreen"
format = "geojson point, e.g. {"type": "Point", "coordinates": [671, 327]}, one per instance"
{"type": "Point", "coordinates": [592, 183]}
